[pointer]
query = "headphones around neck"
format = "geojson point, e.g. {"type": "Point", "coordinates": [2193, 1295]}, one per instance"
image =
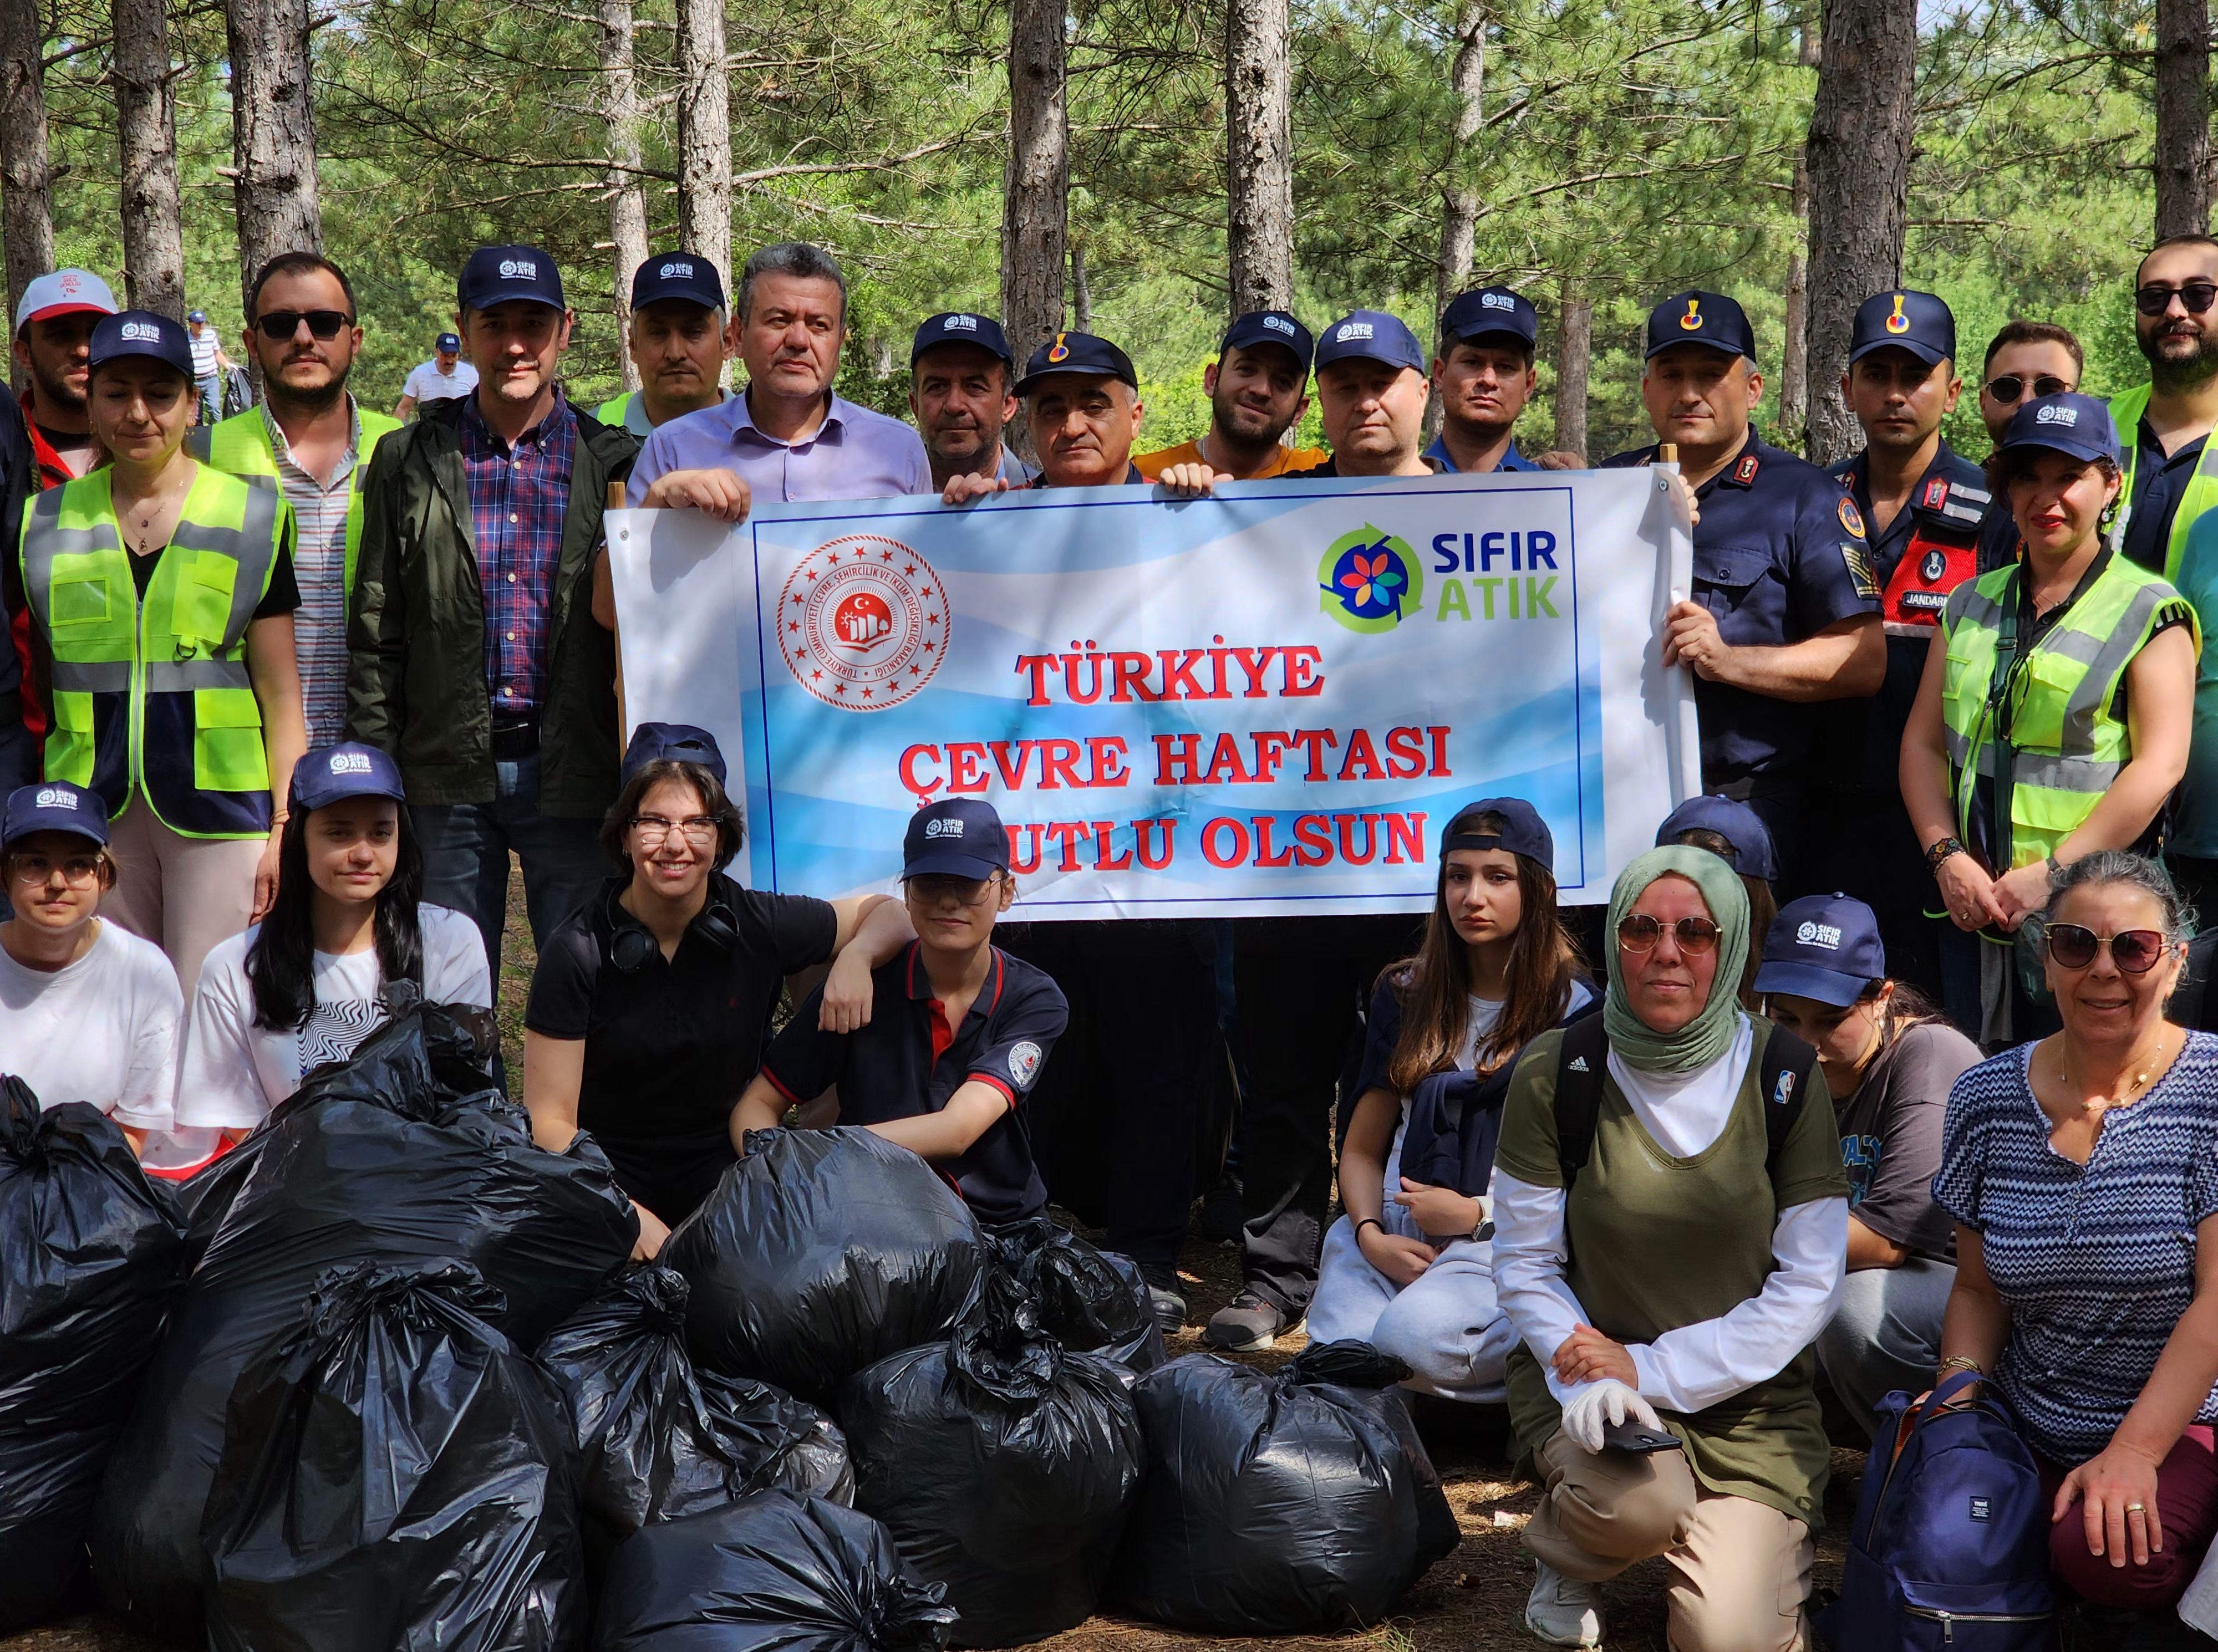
{"type": "Point", "coordinates": [630, 946]}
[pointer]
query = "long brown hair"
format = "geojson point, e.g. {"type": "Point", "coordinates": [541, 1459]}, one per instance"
{"type": "Point", "coordinates": [1434, 986]}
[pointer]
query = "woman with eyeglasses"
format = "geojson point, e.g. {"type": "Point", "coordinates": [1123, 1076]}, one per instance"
{"type": "Point", "coordinates": [308, 983]}
{"type": "Point", "coordinates": [651, 1004]}
{"type": "Point", "coordinates": [2052, 722]}
{"type": "Point", "coordinates": [2081, 1173]}
{"type": "Point", "coordinates": [1670, 1221]}
{"type": "Point", "coordinates": [2024, 359]}
{"type": "Point", "coordinates": [88, 1011]}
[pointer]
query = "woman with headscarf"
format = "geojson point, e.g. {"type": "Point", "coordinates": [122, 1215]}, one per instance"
{"type": "Point", "coordinates": [1671, 1223]}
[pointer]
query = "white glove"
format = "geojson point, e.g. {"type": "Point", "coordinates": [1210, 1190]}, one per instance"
{"type": "Point", "coordinates": [1603, 1404]}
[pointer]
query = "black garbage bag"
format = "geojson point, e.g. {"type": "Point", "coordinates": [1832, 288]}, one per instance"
{"type": "Point", "coordinates": [1286, 1505]}
{"type": "Point", "coordinates": [1091, 1301]}
{"type": "Point", "coordinates": [659, 1441]}
{"type": "Point", "coordinates": [821, 1251]}
{"type": "Point", "coordinates": [404, 1156]}
{"type": "Point", "coordinates": [395, 1475]}
{"type": "Point", "coordinates": [777, 1572]}
{"type": "Point", "coordinates": [1003, 1466]}
{"type": "Point", "coordinates": [88, 1253]}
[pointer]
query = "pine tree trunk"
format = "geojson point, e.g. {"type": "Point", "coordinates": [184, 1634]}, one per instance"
{"type": "Point", "coordinates": [704, 133]}
{"type": "Point", "coordinates": [273, 131]}
{"type": "Point", "coordinates": [1258, 150]}
{"type": "Point", "coordinates": [1035, 184]}
{"type": "Point", "coordinates": [1574, 355]}
{"type": "Point", "coordinates": [1081, 291]}
{"type": "Point", "coordinates": [146, 140]}
{"type": "Point", "coordinates": [26, 219]}
{"type": "Point", "coordinates": [2183, 117]}
{"type": "Point", "coordinates": [1459, 196]}
{"type": "Point", "coordinates": [627, 195]}
{"type": "Point", "coordinates": [1795, 371]}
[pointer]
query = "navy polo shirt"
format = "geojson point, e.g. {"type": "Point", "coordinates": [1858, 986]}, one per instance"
{"type": "Point", "coordinates": [907, 1061]}
{"type": "Point", "coordinates": [1779, 555]}
{"type": "Point", "coordinates": [2161, 482]}
{"type": "Point", "coordinates": [1512, 459]}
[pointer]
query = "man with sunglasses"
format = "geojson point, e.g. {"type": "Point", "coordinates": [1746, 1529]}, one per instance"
{"type": "Point", "coordinates": [2025, 359]}
{"type": "Point", "coordinates": [310, 439]}
{"type": "Point", "coordinates": [2172, 476]}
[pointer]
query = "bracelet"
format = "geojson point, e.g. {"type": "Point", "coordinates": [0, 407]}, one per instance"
{"type": "Point", "coordinates": [1368, 1222]}
{"type": "Point", "coordinates": [1941, 851]}
{"type": "Point", "coordinates": [1958, 1363]}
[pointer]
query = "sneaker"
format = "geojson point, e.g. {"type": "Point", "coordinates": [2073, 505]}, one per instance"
{"type": "Point", "coordinates": [1223, 1215]}
{"type": "Point", "coordinates": [1168, 1301]}
{"type": "Point", "coordinates": [1563, 1610]}
{"type": "Point", "coordinates": [1249, 1323]}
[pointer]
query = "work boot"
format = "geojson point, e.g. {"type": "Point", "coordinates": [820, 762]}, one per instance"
{"type": "Point", "coordinates": [1166, 1298]}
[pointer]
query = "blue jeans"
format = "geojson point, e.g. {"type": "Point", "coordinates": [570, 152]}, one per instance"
{"type": "Point", "coordinates": [466, 848]}
{"type": "Point", "coordinates": [211, 397]}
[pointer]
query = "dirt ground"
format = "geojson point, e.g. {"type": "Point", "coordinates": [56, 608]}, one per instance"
{"type": "Point", "coordinates": [1472, 1601]}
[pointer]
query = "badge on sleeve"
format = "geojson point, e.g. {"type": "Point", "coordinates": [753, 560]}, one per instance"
{"type": "Point", "coordinates": [1024, 1062]}
{"type": "Point", "coordinates": [1851, 518]}
{"type": "Point", "coordinates": [1856, 555]}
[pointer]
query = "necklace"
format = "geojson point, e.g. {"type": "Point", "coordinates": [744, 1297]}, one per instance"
{"type": "Point", "coordinates": [145, 512]}
{"type": "Point", "coordinates": [2135, 1086]}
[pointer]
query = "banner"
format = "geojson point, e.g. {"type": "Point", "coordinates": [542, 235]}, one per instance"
{"type": "Point", "coordinates": [1270, 702]}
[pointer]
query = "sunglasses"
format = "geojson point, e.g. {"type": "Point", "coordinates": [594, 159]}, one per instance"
{"type": "Point", "coordinates": [2197, 295]}
{"type": "Point", "coordinates": [2135, 951]}
{"type": "Point", "coordinates": [1638, 933]}
{"type": "Point", "coordinates": [278, 325]}
{"type": "Point", "coordinates": [2012, 386]}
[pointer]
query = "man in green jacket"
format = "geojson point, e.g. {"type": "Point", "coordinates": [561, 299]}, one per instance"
{"type": "Point", "coordinates": [2172, 473]}
{"type": "Point", "coordinates": [475, 658]}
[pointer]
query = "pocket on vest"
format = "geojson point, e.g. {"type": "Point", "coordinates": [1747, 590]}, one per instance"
{"type": "Point", "coordinates": [227, 754]}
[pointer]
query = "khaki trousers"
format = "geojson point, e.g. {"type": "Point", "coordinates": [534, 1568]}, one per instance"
{"type": "Point", "coordinates": [182, 893]}
{"type": "Point", "coordinates": [1740, 1569]}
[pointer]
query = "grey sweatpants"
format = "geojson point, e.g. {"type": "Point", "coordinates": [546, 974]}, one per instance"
{"type": "Point", "coordinates": [1446, 1326]}
{"type": "Point", "coordinates": [1886, 1334]}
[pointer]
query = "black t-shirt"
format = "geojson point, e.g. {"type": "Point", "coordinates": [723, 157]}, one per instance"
{"type": "Point", "coordinates": [671, 1044]}
{"type": "Point", "coordinates": [907, 1061]}
{"type": "Point", "coordinates": [283, 596]}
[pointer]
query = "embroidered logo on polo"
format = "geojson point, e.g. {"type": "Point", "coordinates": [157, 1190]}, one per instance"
{"type": "Point", "coordinates": [1024, 1062]}
{"type": "Point", "coordinates": [863, 622]}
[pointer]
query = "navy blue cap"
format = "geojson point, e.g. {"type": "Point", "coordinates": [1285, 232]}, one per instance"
{"type": "Point", "coordinates": [2070, 423]}
{"type": "Point", "coordinates": [331, 773]}
{"type": "Point", "coordinates": [497, 274]}
{"type": "Point", "coordinates": [199, 316]}
{"type": "Point", "coordinates": [1917, 322]}
{"type": "Point", "coordinates": [1523, 831]}
{"type": "Point", "coordinates": [1372, 336]}
{"type": "Point", "coordinates": [686, 275]}
{"type": "Point", "coordinates": [1077, 352]}
{"type": "Point", "coordinates": [1694, 316]}
{"type": "Point", "coordinates": [1823, 946]}
{"type": "Point", "coordinates": [957, 837]}
{"type": "Point", "coordinates": [1738, 824]}
{"type": "Point", "coordinates": [54, 806]}
{"type": "Point", "coordinates": [960, 327]}
{"type": "Point", "coordinates": [447, 341]}
{"type": "Point", "coordinates": [670, 743]}
{"type": "Point", "coordinates": [1270, 327]}
{"type": "Point", "coordinates": [1488, 309]}
{"type": "Point", "coordinates": [141, 332]}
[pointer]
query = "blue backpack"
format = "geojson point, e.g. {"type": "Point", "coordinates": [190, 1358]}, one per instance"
{"type": "Point", "coordinates": [1950, 1544]}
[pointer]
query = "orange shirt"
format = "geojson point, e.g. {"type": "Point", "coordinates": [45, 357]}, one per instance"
{"type": "Point", "coordinates": [1283, 459]}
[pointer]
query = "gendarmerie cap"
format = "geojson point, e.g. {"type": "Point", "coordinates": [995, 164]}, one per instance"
{"type": "Point", "coordinates": [1486, 309]}
{"type": "Point", "coordinates": [957, 837]}
{"type": "Point", "coordinates": [1823, 946]}
{"type": "Point", "coordinates": [685, 275]}
{"type": "Point", "coordinates": [2071, 423]}
{"type": "Point", "coordinates": [960, 327]}
{"type": "Point", "coordinates": [1522, 833]}
{"type": "Point", "coordinates": [1738, 824]}
{"type": "Point", "coordinates": [1370, 335]}
{"type": "Point", "coordinates": [1270, 327]}
{"type": "Point", "coordinates": [1077, 352]}
{"type": "Point", "coordinates": [141, 332]}
{"type": "Point", "coordinates": [331, 773]}
{"type": "Point", "coordinates": [1917, 322]}
{"type": "Point", "coordinates": [1694, 316]}
{"type": "Point", "coordinates": [501, 274]}
{"type": "Point", "coordinates": [54, 806]}
{"type": "Point", "coordinates": [670, 743]}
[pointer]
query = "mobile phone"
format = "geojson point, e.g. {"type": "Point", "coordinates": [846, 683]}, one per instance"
{"type": "Point", "coordinates": [1632, 1437]}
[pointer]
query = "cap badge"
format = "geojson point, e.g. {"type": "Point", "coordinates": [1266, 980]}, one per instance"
{"type": "Point", "coordinates": [1353, 329]}
{"type": "Point", "coordinates": [1692, 321]}
{"type": "Point", "coordinates": [519, 270]}
{"type": "Point", "coordinates": [964, 324]}
{"type": "Point", "coordinates": [946, 826]}
{"type": "Point", "coordinates": [68, 283]}
{"type": "Point", "coordinates": [142, 331]}
{"type": "Point", "coordinates": [1496, 301]}
{"type": "Point", "coordinates": [53, 797]}
{"type": "Point", "coordinates": [350, 763]}
{"type": "Point", "coordinates": [1815, 934]}
{"type": "Point", "coordinates": [1851, 518]}
{"type": "Point", "coordinates": [1279, 324]}
{"type": "Point", "coordinates": [677, 269]}
{"type": "Point", "coordinates": [2046, 414]}
{"type": "Point", "coordinates": [1897, 322]}
{"type": "Point", "coordinates": [1061, 352]}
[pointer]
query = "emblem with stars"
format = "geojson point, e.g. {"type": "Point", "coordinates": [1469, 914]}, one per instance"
{"type": "Point", "coordinates": [863, 622]}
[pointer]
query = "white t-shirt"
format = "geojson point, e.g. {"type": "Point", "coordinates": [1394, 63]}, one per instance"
{"type": "Point", "coordinates": [104, 1030]}
{"type": "Point", "coordinates": [235, 1072]}
{"type": "Point", "coordinates": [426, 383]}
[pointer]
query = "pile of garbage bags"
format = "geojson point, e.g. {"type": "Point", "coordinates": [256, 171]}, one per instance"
{"type": "Point", "coordinates": [385, 1376]}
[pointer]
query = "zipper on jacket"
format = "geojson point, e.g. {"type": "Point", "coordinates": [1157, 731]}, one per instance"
{"type": "Point", "coordinates": [1949, 1620]}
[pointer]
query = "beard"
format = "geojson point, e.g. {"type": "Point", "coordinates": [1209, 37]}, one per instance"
{"type": "Point", "coordinates": [1245, 424]}
{"type": "Point", "coordinates": [321, 398]}
{"type": "Point", "coordinates": [55, 391]}
{"type": "Point", "coordinates": [2174, 373]}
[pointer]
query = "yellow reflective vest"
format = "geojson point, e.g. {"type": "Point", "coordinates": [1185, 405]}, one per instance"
{"type": "Point", "coordinates": [241, 445]}
{"type": "Point", "coordinates": [2126, 410]}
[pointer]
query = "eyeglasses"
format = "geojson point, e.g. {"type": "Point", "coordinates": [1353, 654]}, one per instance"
{"type": "Point", "coordinates": [2012, 386]}
{"type": "Point", "coordinates": [2197, 295]}
{"type": "Point", "coordinates": [699, 831]}
{"type": "Point", "coordinates": [278, 325]}
{"type": "Point", "coordinates": [1638, 933]}
{"type": "Point", "coordinates": [77, 869]}
{"type": "Point", "coordinates": [2135, 951]}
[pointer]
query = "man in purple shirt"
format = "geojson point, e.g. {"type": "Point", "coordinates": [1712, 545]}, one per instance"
{"type": "Point", "coordinates": [788, 436]}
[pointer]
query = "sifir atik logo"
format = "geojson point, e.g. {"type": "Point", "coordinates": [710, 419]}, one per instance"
{"type": "Point", "coordinates": [1370, 580]}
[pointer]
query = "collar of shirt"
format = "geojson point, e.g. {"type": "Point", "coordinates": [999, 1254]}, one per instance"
{"type": "Point", "coordinates": [53, 471]}
{"type": "Point", "coordinates": [1511, 459]}
{"type": "Point", "coordinates": [740, 416]}
{"type": "Point", "coordinates": [283, 449]}
{"type": "Point", "coordinates": [1856, 472]}
{"type": "Point", "coordinates": [1733, 475]}
{"type": "Point", "coordinates": [2151, 445]}
{"type": "Point", "coordinates": [478, 433]}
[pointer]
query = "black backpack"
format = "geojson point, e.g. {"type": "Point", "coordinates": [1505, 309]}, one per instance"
{"type": "Point", "coordinates": [1783, 1073]}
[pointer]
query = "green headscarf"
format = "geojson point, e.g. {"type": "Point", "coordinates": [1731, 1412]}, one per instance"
{"type": "Point", "coordinates": [1710, 1034]}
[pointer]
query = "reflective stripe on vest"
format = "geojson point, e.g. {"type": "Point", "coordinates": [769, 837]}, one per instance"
{"type": "Point", "coordinates": [154, 695]}
{"type": "Point", "coordinates": [2201, 493]}
{"type": "Point", "coordinates": [2069, 745]}
{"type": "Point", "coordinates": [241, 446]}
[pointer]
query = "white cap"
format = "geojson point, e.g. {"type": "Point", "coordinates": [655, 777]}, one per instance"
{"type": "Point", "coordinates": [64, 291]}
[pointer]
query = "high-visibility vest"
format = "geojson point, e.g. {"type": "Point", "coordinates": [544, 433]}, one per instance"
{"type": "Point", "coordinates": [241, 445]}
{"type": "Point", "coordinates": [2126, 410]}
{"type": "Point", "coordinates": [611, 412]}
{"type": "Point", "coordinates": [2068, 744]}
{"type": "Point", "coordinates": [153, 695]}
